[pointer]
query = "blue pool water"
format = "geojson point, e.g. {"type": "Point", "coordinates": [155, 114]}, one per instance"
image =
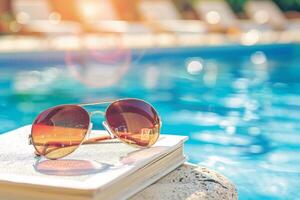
{"type": "Point", "coordinates": [240, 106]}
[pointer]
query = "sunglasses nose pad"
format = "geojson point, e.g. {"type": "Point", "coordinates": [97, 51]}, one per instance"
{"type": "Point", "coordinates": [88, 134]}
{"type": "Point", "coordinates": [108, 129]}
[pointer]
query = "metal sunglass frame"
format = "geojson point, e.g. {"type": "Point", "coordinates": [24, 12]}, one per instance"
{"type": "Point", "coordinates": [105, 125]}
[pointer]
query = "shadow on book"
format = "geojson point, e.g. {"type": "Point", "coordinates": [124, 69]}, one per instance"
{"type": "Point", "coordinates": [76, 167]}
{"type": "Point", "coordinates": [69, 167]}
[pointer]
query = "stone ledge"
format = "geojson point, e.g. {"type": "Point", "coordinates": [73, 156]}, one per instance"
{"type": "Point", "coordinates": [190, 182]}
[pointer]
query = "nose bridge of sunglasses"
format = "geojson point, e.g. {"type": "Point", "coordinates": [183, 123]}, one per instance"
{"type": "Point", "coordinates": [108, 129]}
{"type": "Point", "coordinates": [97, 112]}
{"type": "Point", "coordinates": [87, 136]}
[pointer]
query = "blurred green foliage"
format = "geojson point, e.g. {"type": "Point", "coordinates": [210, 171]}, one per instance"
{"type": "Point", "coordinates": [285, 5]}
{"type": "Point", "coordinates": [237, 5]}
{"type": "Point", "coordinates": [288, 5]}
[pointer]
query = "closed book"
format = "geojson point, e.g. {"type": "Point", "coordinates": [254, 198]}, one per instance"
{"type": "Point", "coordinates": [107, 170]}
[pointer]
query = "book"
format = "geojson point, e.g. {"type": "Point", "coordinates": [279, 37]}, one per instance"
{"type": "Point", "coordinates": [106, 170]}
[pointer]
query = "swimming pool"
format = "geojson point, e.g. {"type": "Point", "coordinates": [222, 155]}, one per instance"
{"type": "Point", "coordinates": [239, 105]}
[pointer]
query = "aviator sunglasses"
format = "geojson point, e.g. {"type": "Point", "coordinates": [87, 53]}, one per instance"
{"type": "Point", "coordinates": [60, 130]}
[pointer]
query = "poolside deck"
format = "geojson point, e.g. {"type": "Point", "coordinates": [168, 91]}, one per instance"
{"type": "Point", "coordinates": [12, 43]}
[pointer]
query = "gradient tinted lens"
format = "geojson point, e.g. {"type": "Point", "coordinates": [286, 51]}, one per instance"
{"type": "Point", "coordinates": [58, 131]}
{"type": "Point", "coordinates": [134, 121]}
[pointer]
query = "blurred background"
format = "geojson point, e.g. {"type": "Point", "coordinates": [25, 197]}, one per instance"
{"type": "Point", "coordinates": [225, 73]}
{"type": "Point", "coordinates": [155, 23]}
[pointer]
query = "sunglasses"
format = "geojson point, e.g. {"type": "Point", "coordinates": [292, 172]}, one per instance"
{"type": "Point", "coordinates": [60, 130]}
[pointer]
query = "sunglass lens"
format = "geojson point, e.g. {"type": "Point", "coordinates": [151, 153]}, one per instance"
{"type": "Point", "coordinates": [58, 131]}
{"type": "Point", "coordinates": [134, 121]}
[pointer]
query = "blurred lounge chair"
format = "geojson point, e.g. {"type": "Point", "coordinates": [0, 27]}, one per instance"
{"type": "Point", "coordinates": [164, 15]}
{"type": "Point", "coordinates": [267, 12]}
{"type": "Point", "coordinates": [101, 16]}
{"type": "Point", "coordinates": [37, 17]}
{"type": "Point", "coordinates": [219, 17]}
{"type": "Point", "coordinates": [5, 17]}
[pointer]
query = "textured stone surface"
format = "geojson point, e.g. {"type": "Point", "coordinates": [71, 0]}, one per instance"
{"type": "Point", "coordinates": [190, 182]}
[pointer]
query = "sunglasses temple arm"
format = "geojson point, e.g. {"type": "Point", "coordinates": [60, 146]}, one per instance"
{"type": "Point", "coordinates": [97, 139]}
{"type": "Point", "coordinates": [112, 136]}
{"type": "Point", "coordinates": [91, 141]}
{"type": "Point", "coordinates": [123, 136]}
{"type": "Point", "coordinates": [58, 145]}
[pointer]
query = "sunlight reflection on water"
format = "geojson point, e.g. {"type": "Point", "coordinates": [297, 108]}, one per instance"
{"type": "Point", "coordinates": [241, 113]}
